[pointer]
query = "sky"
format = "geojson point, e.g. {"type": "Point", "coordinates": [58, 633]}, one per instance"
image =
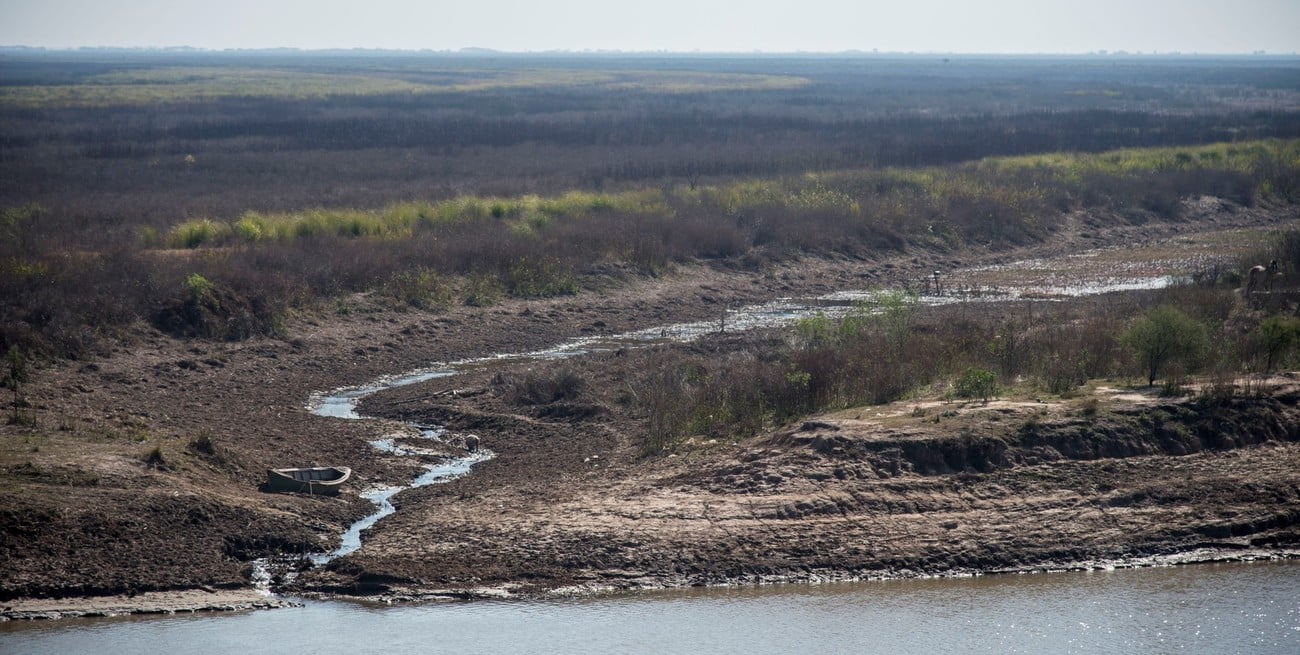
{"type": "Point", "coordinates": [948, 26]}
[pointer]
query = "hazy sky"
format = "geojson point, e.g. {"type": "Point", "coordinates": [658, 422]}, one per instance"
{"type": "Point", "coordinates": [1002, 26]}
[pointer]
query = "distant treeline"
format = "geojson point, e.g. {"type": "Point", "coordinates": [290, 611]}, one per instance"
{"type": "Point", "coordinates": [547, 126]}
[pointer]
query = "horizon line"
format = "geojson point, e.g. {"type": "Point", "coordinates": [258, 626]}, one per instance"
{"type": "Point", "coordinates": [473, 50]}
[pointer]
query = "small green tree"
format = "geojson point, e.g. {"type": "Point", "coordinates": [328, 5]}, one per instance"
{"type": "Point", "coordinates": [1166, 337]}
{"type": "Point", "coordinates": [1278, 337]}
{"type": "Point", "coordinates": [814, 331]}
{"type": "Point", "coordinates": [976, 383]}
{"type": "Point", "coordinates": [896, 313]}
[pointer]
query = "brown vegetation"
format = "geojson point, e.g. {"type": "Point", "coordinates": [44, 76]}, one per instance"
{"type": "Point", "coordinates": [281, 192]}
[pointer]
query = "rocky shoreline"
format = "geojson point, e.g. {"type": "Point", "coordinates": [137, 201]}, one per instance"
{"type": "Point", "coordinates": [148, 603]}
{"type": "Point", "coordinates": [634, 581]}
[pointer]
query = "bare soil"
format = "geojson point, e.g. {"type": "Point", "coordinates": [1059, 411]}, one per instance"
{"type": "Point", "coordinates": [139, 471]}
{"type": "Point", "coordinates": [911, 488]}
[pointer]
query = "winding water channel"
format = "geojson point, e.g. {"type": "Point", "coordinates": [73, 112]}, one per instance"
{"type": "Point", "coordinates": [342, 403]}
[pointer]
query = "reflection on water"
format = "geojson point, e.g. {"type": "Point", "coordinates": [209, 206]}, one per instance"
{"type": "Point", "coordinates": [1224, 608]}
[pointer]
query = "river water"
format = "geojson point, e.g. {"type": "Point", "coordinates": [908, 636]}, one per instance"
{"type": "Point", "coordinates": [1207, 608]}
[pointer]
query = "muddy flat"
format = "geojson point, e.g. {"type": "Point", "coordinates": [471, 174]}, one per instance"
{"type": "Point", "coordinates": [139, 471]}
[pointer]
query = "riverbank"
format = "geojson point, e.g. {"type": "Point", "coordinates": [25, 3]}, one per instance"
{"type": "Point", "coordinates": [1246, 608]}
{"type": "Point", "coordinates": [139, 471]}
{"type": "Point", "coordinates": [151, 602]}
{"type": "Point", "coordinates": [398, 594]}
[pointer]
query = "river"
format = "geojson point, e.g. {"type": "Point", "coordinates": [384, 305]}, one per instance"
{"type": "Point", "coordinates": [1206, 608]}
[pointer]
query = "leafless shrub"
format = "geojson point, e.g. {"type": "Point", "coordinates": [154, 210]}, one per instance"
{"type": "Point", "coordinates": [544, 388]}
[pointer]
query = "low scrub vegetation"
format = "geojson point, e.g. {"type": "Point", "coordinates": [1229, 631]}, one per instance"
{"type": "Point", "coordinates": [477, 250]}
{"type": "Point", "coordinates": [891, 349]}
{"type": "Point", "coordinates": [1003, 200]}
{"type": "Point", "coordinates": [536, 388]}
{"type": "Point", "coordinates": [431, 181]}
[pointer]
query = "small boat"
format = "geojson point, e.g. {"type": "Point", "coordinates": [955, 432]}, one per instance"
{"type": "Point", "coordinates": [320, 480]}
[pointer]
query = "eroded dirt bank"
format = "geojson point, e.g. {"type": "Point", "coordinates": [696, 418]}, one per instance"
{"type": "Point", "coordinates": [880, 492]}
{"type": "Point", "coordinates": [88, 509]}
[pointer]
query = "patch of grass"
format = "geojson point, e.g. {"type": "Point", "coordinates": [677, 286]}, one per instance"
{"type": "Point", "coordinates": [155, 459]}
{"type": "Point", "coordinates": [199, 232]}
{"type": "Point", "coordinates": [482, 291]}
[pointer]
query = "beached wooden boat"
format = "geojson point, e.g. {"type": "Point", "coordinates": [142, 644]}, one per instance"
{"type": "Point", "coordinates": [320, 480]}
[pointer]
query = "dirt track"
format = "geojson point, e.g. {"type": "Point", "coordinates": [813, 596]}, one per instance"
{"type": "Point", "coordinates": [568, 501]}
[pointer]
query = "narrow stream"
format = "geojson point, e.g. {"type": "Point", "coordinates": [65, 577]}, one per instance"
{"type": "Point", "coordinates": [342, 403]}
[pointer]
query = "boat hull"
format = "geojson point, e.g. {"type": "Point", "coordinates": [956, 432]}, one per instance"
{"type": "Point", "coordinates": [317, 481]}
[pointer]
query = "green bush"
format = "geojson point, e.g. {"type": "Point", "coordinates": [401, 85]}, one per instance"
{"type": "Point", "coordinates": [1278, 336]}
{"type": "Point", "coordinates": [541, 278]}
{"type": "Point", "coordinates": [814, 331]}
{"type": "Point", "coordinates": [976, 383]}
{"type": "Point", "coordinates": [214, 311]}
{"type": "Point", "coordinates": [252, 227]}
{"type": "Point", "coordinates": [200, 232]}
{"type": "Point", "coordinates": [198, 288]}
{"type": "Point", "coordinates": [422, 288]}
{"type": "Point", "coordinates": [482, 290]}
